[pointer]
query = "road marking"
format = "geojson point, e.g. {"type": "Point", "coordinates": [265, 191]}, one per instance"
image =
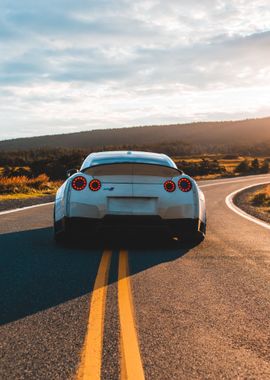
{"type": "Point", "coordinates": [25, 208]}
{"type": "Point", "coordinates": [239, 211]}
{"type": "Point", "coordinates": [91, 358]}
{"type": "Point", "coordinates": [131, 364]}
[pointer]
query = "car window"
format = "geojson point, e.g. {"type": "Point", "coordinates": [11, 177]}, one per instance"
{"type": "Point", "coordinates": [132, 169]}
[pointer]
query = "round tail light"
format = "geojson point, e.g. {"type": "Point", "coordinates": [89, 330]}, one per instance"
{"type": "Point", "coordinates": [79, 183]}
{"type": "Point", "coordinates": [95, 184]}
{"type": "Point", "coordinates": [184, 185]}
{"type": "Point", "coordinates": [169, 186]}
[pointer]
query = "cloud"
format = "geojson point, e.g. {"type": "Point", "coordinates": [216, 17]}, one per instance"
{"type": "Point", "coordinates": [69, 65]}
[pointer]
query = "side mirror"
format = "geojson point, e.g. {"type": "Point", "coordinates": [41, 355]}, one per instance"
{"type": "Point", "coordinates": [71, 172]}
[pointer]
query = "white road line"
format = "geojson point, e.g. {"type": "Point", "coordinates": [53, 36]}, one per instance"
{"type": "Point", "coordinates": [25, 208]}
{"type": "Point", "coordinates": [239, 211]}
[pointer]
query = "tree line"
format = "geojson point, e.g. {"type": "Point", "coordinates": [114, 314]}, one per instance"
{"type": "Point", "coordinates": [55, 162]}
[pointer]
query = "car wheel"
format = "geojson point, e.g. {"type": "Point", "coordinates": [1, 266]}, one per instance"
{"type": "Point", "coordinates": [60, 237]}
{"type": "Point", "coordinates": [60, 230]}
{"type": "Point", "coordinates": [195, 237]}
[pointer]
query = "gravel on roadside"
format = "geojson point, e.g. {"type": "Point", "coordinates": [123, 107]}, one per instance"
{"type": "Point", "coordinates": [242, 200]}
{"type": "Point", "coordinates": [11, 204]}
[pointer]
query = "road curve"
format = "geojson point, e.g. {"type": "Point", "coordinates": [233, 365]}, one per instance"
{"type": "Point", "coordinates": [194, 312]}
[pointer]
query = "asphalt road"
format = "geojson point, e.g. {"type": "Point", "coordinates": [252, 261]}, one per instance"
{"type": "Point", "coordinates": [198, 312]}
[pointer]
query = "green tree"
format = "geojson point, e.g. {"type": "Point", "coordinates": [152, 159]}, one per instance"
{"type": "Point", "coordinates": [265, 167]}
{"type": "Point", "coordinates": [242, 167]}
{"type": "Point", "coordinates": [255, 165]}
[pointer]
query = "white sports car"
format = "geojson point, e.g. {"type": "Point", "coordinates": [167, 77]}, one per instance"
{"type": "Point", "coordinates": [138, 189]}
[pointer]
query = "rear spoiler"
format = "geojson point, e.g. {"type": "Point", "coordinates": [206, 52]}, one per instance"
{"type": "Point", "coordinates": [133, 163]}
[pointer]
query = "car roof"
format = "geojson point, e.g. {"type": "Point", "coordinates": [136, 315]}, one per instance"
{"type": "Point", "coordinates": [101, 158]}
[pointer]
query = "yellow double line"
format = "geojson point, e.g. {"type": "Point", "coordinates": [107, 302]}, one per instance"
{"type": "Point", "coordinates": [91, 359]}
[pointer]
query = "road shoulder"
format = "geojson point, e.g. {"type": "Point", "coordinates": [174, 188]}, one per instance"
{"type": "Point", "coordinates": [243, 201]}
{"type": "Point", "coordinates": [11, 204]}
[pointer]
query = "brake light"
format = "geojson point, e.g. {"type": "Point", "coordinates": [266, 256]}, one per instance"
{"type": "Point", "coordinates": [79, 183]}
{"type": "Point", "coordinates": [95, 184]}
{"type": "Point", "coordinates": [169, 186]}
{"type": "Point", "coordinates": [184, 185]}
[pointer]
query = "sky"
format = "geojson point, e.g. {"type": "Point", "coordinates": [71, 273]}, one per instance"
{"type": "Point", "coordinates": [68, 66]}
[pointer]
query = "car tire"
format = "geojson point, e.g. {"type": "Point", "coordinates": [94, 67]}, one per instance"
{"type": "Point", "coordinates": [195, 237]}
{"type": "Point", "coordinates": [61, 234]}
{"type": "Point", "coordinates": [60, 237]}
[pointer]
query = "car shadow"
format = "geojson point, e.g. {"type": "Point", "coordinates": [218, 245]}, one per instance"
{"type": "Point", "coordinates": [36, 274]}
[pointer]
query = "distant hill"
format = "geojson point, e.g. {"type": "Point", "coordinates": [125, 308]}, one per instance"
{"type": "Point", "coordinates": [245, 133]}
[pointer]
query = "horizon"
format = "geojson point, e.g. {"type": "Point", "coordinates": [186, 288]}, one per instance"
{"type": "Point", "coordinates": [139, 126]}
{"type": "Point", "coordinates": [76, 67]}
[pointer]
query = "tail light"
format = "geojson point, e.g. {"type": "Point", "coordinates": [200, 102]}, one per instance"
{"type": "Point", "coordinates": [79, 183]}
{"type": "Point", "coordinates": [169, 186]}
{"type": "Point", "coordinates": [95, 184]}
{"type": "Point", "coordinates": [184, 185]}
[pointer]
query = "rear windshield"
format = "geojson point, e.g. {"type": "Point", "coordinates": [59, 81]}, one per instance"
{"type": "Point", "coordinates": [132, 169]}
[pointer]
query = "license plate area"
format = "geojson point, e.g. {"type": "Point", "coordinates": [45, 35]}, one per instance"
{"type": "Point", "coordinates": [132, 205]}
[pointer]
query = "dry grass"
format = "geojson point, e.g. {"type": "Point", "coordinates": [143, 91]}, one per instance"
{"type": "Point", "coordinates": [23, 187]}
{"type": "Point", "coordinates": [207, 177]}
{"type": "Point", "coordinates": [229, 163]}
{"type": "Point", "coordinates": [261, 198]}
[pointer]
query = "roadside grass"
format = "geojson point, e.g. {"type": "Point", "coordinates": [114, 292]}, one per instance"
{"type": "Point", "coordinates": [23, 187]}
{"type": "Point", "coordinates": [229, 163]}
{"type": "Point", "coordinates": [212, 176]}
{"type": "Point", "coordinates": [261, 198]}
{"type": "Point", "coordinates": [35, 194]}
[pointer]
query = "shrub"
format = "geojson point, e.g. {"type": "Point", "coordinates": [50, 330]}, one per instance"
{"type": "Point", "coordinates": [265, 168]}
{"type": "Point", "coordinates": [242, 167]}
{"type": "Point", "coordinates": [259, 199]}
{"type": "Point", "coordinates": [262, 198]}
{"type": "Point", "coordinates": [39, 182]}
{"type": "Point", "coordinates": [204, 167]}
{"type": "Point", "coordinates": [11, 185]}
{"type": "Point", "coordinates": [24, 185]}
{"type": "Point", "coordinates": [9, 171]}
{"type": "Point", "coordinates": [255, 165]}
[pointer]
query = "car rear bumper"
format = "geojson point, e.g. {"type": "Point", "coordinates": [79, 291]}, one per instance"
{"type": "Point", "coordinates": [163, 207]}
{"type": "Point", "coordinates": [174, 226]}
